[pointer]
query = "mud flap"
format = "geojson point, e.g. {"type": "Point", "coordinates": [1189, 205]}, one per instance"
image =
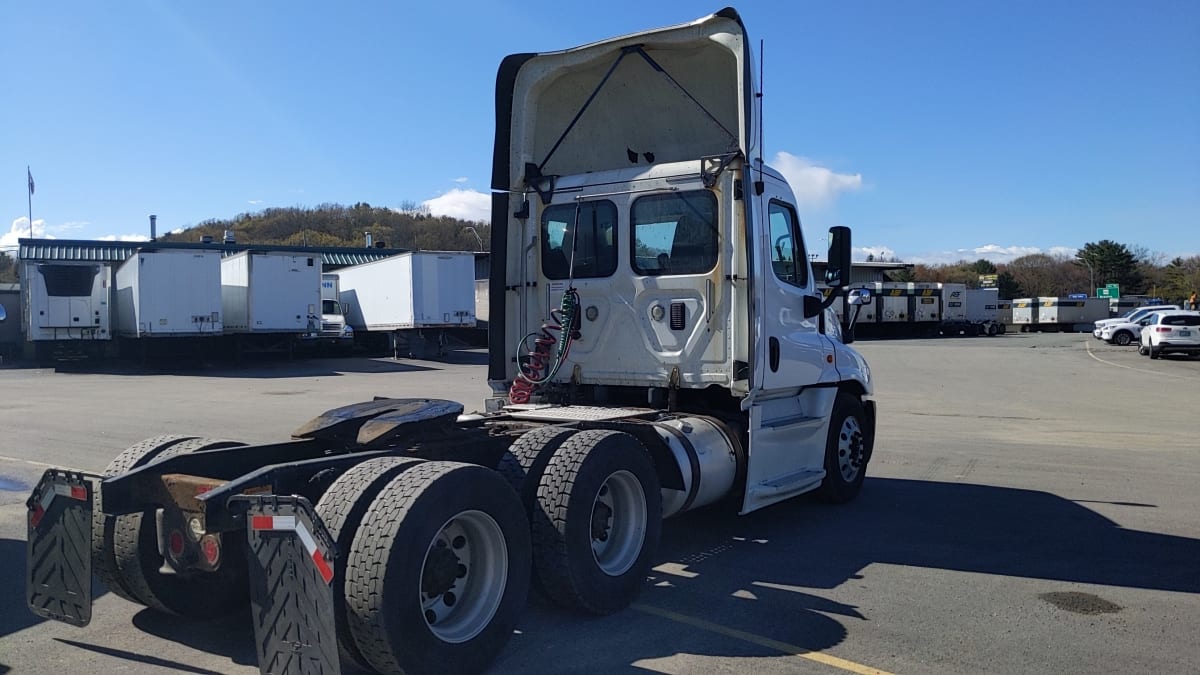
{"type": "Point", "coordinates": [58, 549]}
{"type": "Point", "coordinates": [290, 557]}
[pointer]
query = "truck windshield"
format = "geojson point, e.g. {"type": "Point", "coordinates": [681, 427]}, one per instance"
{"type": "Point", "coordinates": [331, 307]}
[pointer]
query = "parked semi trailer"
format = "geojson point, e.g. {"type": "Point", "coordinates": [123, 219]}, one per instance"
{"type": "Point", "coordinates": [406, 303]}
{"type": "Point", "coordinates": [1055, 314]}
{"type": "Point", "coordinates": [169, 293]}
{"type": "Point", "coordinates": [401, 535]}
{"type": "Point", "coordinates": [972, 311]}
{"type": "Point", "coordinates": [269, 299]}
{"type": "Point", "coordinates": [67, 309]}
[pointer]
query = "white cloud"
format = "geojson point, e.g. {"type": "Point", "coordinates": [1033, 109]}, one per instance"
{"type": "Point", "coordinates": [178, 230]}
{"type": "Point", "coordinates": [880, 253]}
{"type": "Point", "coordinates": [993, 252]}
{"type": "Point", "coordinates": [815, 186]}
{"type": "Point", "coordinates": [123, 237]}
{"type": "Point", "coordinates": [471, 205]}
{"type": "Point", "coordinates": [20, 230]}
{"type": "Point", "coordinates": [461, 179]}
{"type": "Point", "coordinates": [255, 202]}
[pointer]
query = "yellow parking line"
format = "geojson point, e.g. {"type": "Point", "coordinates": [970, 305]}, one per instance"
{"type": "Point", "coordinates": [833, 661]}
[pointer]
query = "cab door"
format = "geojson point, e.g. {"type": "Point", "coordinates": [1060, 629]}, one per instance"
{"type": "Point", "coordinates": [794, 378]}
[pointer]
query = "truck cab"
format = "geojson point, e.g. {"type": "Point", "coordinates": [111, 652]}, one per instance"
{"type": "Point", "coordinates": [653, 259]}
{"type": "Point", "coordinates": [333, 329]}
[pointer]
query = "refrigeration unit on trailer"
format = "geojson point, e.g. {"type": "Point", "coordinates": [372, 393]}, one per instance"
{"type": "Point", "coordinates": [169, 293]}
{"type": "Point", "coordinates": [67, 308]}
{"type": "Point", "coordinates": [410, 300]}
{"type": "Point", "coordinates": [658, 344]}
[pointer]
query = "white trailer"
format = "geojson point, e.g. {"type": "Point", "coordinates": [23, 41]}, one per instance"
{"type": "Point", "coordinates": [972, 311]}
{"type": "Point", "coordinates": [270, 292]}
{"type": "Point", "coordinates": [67, 309]}
{"type": "Point", "coordinates": [1025, 313]}
{"type": "Point", "coordinates": [410, 299]}
{"type": "Point", "coordinates": [1069, 314]}
{"type": "Point", "coordinates": [169, 293]}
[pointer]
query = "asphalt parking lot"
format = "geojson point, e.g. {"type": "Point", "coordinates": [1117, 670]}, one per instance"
{"type": "Point", "coordinates": [1030, 508]}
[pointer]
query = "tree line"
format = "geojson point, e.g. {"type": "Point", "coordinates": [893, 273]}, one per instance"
{"type": "Point", "coordinates": [410, 226]}
{"type": "Point", "coordinates": [1097, 264]}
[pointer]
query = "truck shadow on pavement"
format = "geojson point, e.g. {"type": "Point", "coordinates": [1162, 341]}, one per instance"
{"type": "Point", "coordinates": [733, 586]}
{"type": "Point", "coordinates": [756, 586]}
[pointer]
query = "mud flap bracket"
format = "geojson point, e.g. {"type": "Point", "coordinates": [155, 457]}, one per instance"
{"type": "Point", "coordinates": [290, 557]}
{"type": "Point", "coordinates": [58, 549]}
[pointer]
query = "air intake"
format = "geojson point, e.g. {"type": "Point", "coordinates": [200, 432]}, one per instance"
{"type": "Point", "coordinates": [677, 316]}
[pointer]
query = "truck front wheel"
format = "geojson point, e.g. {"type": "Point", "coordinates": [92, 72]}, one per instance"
{"type": "Point", "coordinates": [847, 450]}
{"type": "Point", "coordinates": [438, 571]}
{"type": "Point", "coordinates": [598, 525]}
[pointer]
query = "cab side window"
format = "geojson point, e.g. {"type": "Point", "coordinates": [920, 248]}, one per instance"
{"type": "Point", "coordinates": [788, 257]}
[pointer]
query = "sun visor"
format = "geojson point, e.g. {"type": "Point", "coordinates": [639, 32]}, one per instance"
{"type": "Point", "coordinates": [665, 95]}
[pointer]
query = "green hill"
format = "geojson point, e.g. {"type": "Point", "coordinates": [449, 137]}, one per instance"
{"type": "Point", "coordinates": [337, 225]}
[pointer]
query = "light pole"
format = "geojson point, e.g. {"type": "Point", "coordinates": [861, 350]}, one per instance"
{"type": "Point", "coordinates": [1092, 273]}
{"type": "Point", "coordinates": [478, 240]}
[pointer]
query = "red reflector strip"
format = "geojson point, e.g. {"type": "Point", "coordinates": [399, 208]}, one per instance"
{"type": "Point", "coordinates": [322, 566]}
{"type": "Point", "coordinates": [36, 516]}
{"type": "Point", "coordinates": [292, 524]}
{"type": "Point", "coordinates": [79, 492]}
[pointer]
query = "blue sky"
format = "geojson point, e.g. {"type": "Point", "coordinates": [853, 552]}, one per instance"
{"type": "Point", "coordinates": [936, 130]}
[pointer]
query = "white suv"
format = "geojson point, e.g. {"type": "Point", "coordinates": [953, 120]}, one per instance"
{"type": "Point", "coordinates": [1122, 333]}
{"type": "Point", "coordinates": [1171, 331]}
{"type": "Point", "coordinates": [1132, 316]}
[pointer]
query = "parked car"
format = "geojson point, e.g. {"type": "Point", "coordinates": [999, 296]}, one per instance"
{"type": "Point", "coordinates": [1123, 333]}
{"type": "Point", "coordinates": [1171, 332]}
{"type": "Point", "coordinates": [1132, 316]}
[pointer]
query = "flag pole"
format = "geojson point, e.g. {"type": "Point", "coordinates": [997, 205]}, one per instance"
{"type": "Point", "coordinates": [29, 175]}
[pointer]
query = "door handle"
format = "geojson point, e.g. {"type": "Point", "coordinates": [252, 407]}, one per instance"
{"type": "Point", "coordinates": [773, 353]}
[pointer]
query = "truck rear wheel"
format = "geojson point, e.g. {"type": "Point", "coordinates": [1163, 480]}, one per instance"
{"type": "Point", "coordinates": [598, 525]}
{"type": "Point", "coordinates": [525, 461]}
{"type": "Point", "coordinates": [197, 595]}
{"type": "Point", "coordinates": [341, 509]}
{"type": "Point", "coordinates": [847, 450]}
{"type": "Point", "coordinates": [104, 562]}
{"type": "Point", "coordinates": [438, 571]}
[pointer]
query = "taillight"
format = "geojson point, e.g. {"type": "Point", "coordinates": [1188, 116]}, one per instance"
{"type": "Point", "coordinates": [1163, 329]}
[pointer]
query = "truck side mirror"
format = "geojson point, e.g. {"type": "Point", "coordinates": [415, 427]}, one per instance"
{"type": "Point", "coordinates": [837, 271]}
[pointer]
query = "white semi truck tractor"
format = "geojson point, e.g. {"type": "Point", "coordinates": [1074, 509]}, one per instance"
{"type": "Point", "coordinates": [658, 344]}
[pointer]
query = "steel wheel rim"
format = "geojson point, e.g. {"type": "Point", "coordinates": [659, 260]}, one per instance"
{"type": "Point", "coordinates": [618, 523]}
{"type": "Point", "coordinates": [459, 603]}
{"type": "Point", "coordinates": [850, 448]}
